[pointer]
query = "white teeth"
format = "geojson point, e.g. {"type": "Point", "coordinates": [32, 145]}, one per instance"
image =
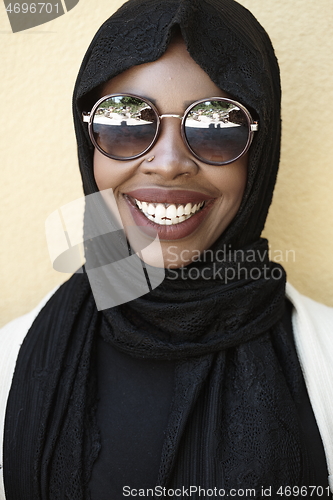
{"type": "Point", "coordinates": [166, 214]}
{"type": "Point", "coordinates": [180, 211]}
{"type": "Point", "coordinates": [160, 211]}
{"type": "Point", "coordinates": [187, 210]}
{"type": "Point", "coordinates": [171, 212]}
{"type": "Point", "coordinates": [150, 209]}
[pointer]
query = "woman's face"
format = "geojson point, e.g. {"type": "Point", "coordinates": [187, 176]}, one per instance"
{"type": "Point", "coordinates": [174, 176]}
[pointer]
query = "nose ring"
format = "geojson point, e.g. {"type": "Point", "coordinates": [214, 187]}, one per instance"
{"type": "Point", "coordinates": [151, 158]}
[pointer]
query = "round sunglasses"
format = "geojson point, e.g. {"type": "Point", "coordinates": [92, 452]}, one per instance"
{"type": "Point", "coordinates": [216, 130]}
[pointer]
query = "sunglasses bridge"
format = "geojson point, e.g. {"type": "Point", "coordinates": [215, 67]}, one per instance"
{"type": "Point", "coordinates": [171, 116]}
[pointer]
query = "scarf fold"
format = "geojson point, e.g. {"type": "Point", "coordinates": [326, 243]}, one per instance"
{"type": "Point", "coordinates": [194, 317]}
{"type": "Point", "coordinates": [234, 422]}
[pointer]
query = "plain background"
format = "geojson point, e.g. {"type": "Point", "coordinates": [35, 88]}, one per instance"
{"type": "Point", "coordinates": [39, 169]}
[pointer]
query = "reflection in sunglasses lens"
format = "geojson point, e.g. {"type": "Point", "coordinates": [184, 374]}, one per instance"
{"type": "Point", "coordinates": [217, 131]}
{"type": "Point", "coordinates": [124, 126]}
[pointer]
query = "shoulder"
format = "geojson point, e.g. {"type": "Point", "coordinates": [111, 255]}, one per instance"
{"type": "Point", "coordinates": [11, 338]}
{"type": "Point", "coordinates": [13, 333]}
{"type": "Point", "coordinates": [308, 312]}
{"type": "Point", "coordinates": [313, 332]}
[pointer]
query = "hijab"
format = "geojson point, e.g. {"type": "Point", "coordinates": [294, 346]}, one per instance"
{"type": "Point", "coordinates": [233, 421]}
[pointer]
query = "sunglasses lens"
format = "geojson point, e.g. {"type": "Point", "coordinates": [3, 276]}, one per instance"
{"type": "Point", "coordinates": [217, 131]}
{"type": "Point", "coordinates": [124, 126]}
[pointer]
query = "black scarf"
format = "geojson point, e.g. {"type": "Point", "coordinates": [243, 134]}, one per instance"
{"type": "Point", "coordinates": [234, 422]}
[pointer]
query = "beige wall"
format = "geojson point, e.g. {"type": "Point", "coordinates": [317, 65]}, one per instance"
{"type": "Point", "coordinates": [39, 169]}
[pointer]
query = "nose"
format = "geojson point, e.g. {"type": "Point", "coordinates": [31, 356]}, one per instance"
{"type": "Point", "coordinates": [170, 158]}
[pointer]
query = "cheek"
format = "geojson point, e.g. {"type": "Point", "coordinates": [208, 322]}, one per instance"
{"type": "Point", "coordinates": [107, 172]}
{"type": "Point", "coordinates": [238, 184]}
{"type": "Point", "coordinates": [101, 171]}
{"type": "Point", "coordinates": [231, 182]}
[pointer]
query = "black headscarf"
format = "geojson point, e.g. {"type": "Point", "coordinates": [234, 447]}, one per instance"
{"type": "Point", "coordinates": [233, 422]}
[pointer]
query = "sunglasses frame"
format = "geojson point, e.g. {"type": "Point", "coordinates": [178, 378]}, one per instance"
{"type": "Point", "coordinates": [253, 126]}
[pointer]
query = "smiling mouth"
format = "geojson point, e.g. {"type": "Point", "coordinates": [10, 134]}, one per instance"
{"type": "Point", "coordinates": [172, 214]}
{"type": "Point", "coordinates": [168, 214]}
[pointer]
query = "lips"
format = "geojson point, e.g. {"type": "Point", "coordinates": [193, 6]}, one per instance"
{"type": "Point", "coordinates": [180, 197]}
{"type": "Point", "coordinates": [172, 214]}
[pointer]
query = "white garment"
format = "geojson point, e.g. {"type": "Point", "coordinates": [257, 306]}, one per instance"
{"type": "Point", "coordinates": [313, 332]}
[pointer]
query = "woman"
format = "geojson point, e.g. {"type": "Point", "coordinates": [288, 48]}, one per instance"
{"type": "Point", "coordinates": [196, 383]}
